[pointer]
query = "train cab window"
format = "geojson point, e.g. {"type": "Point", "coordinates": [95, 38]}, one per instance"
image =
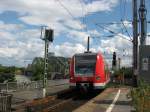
{"type": "Point", "coordinates": [85, 64]}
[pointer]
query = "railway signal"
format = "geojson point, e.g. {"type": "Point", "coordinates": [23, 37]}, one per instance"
{"type": "Point", "coordinates": [114, 62]}
{"type": "Point", "coordinates": [48, 37]}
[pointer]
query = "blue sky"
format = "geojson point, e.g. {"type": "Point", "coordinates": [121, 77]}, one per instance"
{"type": "Point", "coordinates": [72, 20]}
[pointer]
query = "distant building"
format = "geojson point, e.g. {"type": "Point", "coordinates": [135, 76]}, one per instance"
{"type": "Point", "coordinates": [29, 66]}
{"type": "Point", "coordinates": [50, 54]}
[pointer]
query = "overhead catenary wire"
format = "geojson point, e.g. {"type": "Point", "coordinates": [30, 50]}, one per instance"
{"type": "Point", "coordinates": [111, 23]}
{"type": "Point", "coordinates": [82, 10]}
{"type": "Point", "coordinates": [67, 10]}
{"type": "Point", "coordinates": [123, 16]}
{"type": "Point", "coordinates": [123, 4]}
{"type": "Point", "coordinates": [124, 10]}
{"type": "Point", "coordinates": [83, 14]}
{"type": "Point", "coordinates": [73, 17]}
{"type": "Point", "coordinates": [126, 30]}
{"type": "Point", "coordinates": [120, 8]}
{"type": "Point", "coordinates": [113, 32]}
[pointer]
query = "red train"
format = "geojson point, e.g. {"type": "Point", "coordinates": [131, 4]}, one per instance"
{"type": "Point", "coordinates": [89, 70]}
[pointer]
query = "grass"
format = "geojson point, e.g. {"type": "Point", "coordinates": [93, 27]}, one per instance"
{"type": "Point", "coordinates": [141, 97]}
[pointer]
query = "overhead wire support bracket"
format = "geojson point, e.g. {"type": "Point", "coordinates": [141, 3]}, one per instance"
{"type": "Point", "coordinates": [126, 30]}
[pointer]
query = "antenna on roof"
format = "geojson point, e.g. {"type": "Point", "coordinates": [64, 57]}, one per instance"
{"type": "Point", "coordinates": [88, 46]}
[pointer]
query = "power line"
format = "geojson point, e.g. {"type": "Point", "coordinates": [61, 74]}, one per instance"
{"type": "Point", "coordinates": [83, 14]}
{"type": "Point", "coordinates": [124, 10]}
{"type": "Point", "coordinates": [126, 30]}
{"type": "Point", "coordinates": [65, 8]}
{"type": "Point", "coordinates": [120, 1]}
{"type": "Point", "coordinates": [111, 23]}
{"type": "Point", "coordinates": [123, 17]}
{"type": "Point", "coordinates": [113, 32]}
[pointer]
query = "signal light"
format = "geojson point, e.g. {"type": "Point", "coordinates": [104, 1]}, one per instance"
{"type": "Point", "coordinates": [114, 59]}
{"type": "Point", "coordinates": [49, 34]}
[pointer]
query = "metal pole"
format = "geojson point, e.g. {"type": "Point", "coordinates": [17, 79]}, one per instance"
{"type": "Point", "coordinates": [119, 63]}
{"type": "Point", "coordinates": [88, 44]}
{"type": "Point", "coordinates": [143, 22]}
{"type": "Point", "coordinates": [135, 42]}
{"type": "Point", "coordinates": [45, 66]}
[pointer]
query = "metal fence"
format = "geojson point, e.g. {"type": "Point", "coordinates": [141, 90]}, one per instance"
{"type": "Point", "coordinates": [5, 102]}
{"type": "Point", "coordinates": [14, 86]}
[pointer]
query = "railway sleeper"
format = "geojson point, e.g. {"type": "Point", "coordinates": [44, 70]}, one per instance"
{"type": "Point", "coordinates": [56, 106]}
{"type": "Point", "coordinates": [39, 104]}
{"type": "Point", "coordinates": [44, 104]}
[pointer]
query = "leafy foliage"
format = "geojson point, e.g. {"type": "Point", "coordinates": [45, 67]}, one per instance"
{"type": "Point", "coordinates": [7, 73]}
{"type": "Point", "coordinates": [141, 97]}
{"type": "Point", "coordinates": [37, 68]}
{"type": "Point", "coordinates": [126, 71]}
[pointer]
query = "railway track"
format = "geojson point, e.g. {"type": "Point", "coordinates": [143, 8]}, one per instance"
{"type": "Point", "coordinates": [22, 106]}
{"type": "Point", "coordinates": [54, 107]}
{"type": "Point", "coordinates": [71, 102]}
{"type": "Point", "coordinates": [51, 102]}
{"type": "Point", "coordinates": [64, 101]}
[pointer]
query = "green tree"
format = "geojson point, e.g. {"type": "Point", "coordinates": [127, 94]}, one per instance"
{"type": "Point", "coordinates": [7, 73]}
{"type": "Point", "coordinates": [37, 68]}
{"type": "Point", "coordinates": [126, 71]}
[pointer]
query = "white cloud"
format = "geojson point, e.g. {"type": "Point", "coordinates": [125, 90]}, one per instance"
{"type": "Point", "coordinates": [18, 43]}
{"type": "Point", "coordinates": [10, 27]}
{"type": "Point", "coordinates": [8, 52]}
{"type": "Point", "coordinates": [148, 39]}
{"type": "Point", "coordinates": [121, 46]}
{"type": "Point", "coordinates": [74, 24]}
{"type": "Point", "coordinates": [102, 5]}
{"type": "Point", "coordinates": [94, 33]}
{"type": "Point", "coordinates": [67, 49]}
{"type": "Point", "coordinates": [50, 12]}
{"type": "Point", "coordinates": [78, 36]}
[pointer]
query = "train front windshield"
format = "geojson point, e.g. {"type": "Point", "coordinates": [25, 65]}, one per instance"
{"type": "Point", "coordinates": [85, 64]}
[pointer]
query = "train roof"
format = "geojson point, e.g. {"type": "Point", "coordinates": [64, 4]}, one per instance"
{"type": "Point", "coordinates": [84, 54]}
{"type": "Point", "coordinates": [87, 54]}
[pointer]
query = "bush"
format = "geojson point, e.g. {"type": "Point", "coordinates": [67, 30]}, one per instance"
{"type": "Point", "coordinates": [7, 77]}
{"type": "Point", "coordinates": [7, 74]}
{"type": "Point", "coordinates": [141, 97]}
{"type": "Point", "coordinates": [126, 71]}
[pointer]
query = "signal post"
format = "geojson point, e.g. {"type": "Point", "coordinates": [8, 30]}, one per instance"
{"type": "Point", "coordinates": [48, 37]}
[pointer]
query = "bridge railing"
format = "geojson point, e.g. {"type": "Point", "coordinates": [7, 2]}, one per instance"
{"type": "Point", "coordinates": [5, 102]}
{"type": "Point", "coordinates": [14, 86]}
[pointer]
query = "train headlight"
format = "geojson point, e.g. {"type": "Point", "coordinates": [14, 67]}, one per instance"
{"type": "Point", "coordinates": [71, 78]}
{"type": "Point", "coordinates": [97, 77]}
